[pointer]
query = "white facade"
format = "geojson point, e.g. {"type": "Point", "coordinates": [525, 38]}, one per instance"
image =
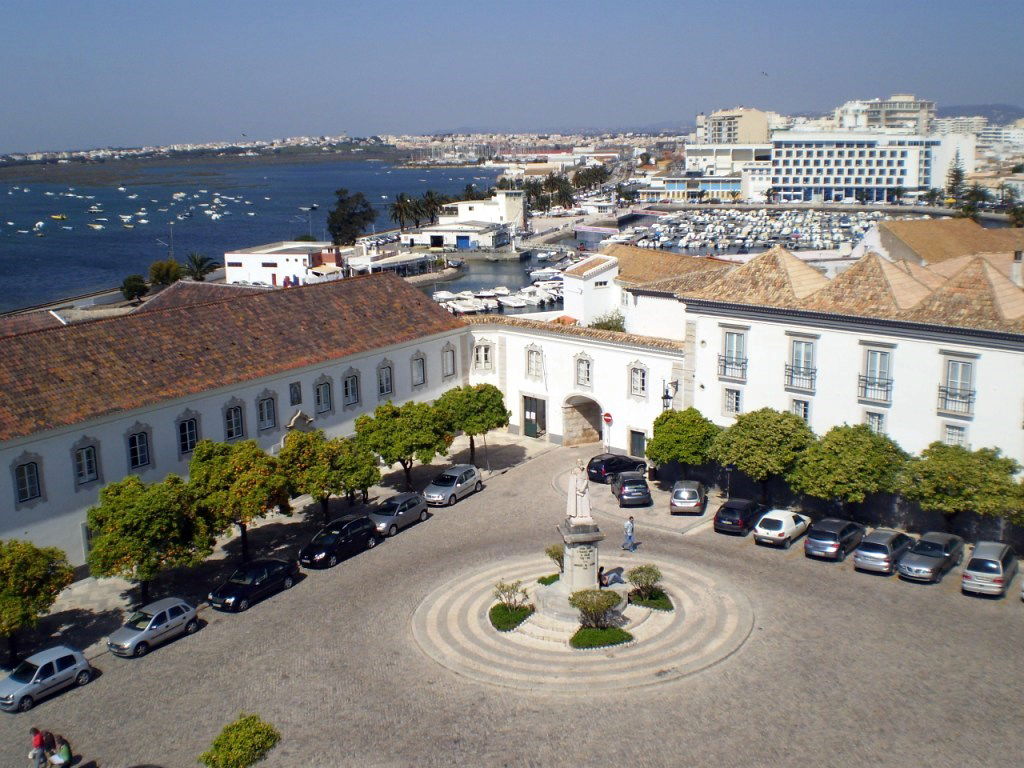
{"type": "Point", "coordinates": [466, 235]}
{"type": "Point", "coordinates": [723, 159]}
{"type": "Point", "coordinates": [506, 207]}
{"type": "Point", "coordinates": [282, 264]}
{"type": "Point", "coordinates": [901, 111]}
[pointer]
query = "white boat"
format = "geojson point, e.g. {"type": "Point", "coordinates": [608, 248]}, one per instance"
{"type": "Point", "coordinates": [501, 290]}
{"type": "Point", "coordinates": [442, 296]}
{"type": "Point", "coordinates": [485, 294]}
{"type": "Point", "coordinates": [94, 226]}
{"type": "Point", "coordinates": [547, 273]}
{"type": "Point", "coordinates": [513, 302]}
{"type": "Point", "coordinates": [489, 305]}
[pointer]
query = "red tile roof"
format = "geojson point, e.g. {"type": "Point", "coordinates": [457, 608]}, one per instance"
{"type": "Point", "coordinates": [28, 321]}
{"type": "Point", "coordinates": [187, 293]}
{"type": "Point", "coordinates": [62, 376]}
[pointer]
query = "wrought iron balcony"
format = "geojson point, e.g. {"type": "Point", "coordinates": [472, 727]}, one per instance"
{"type": "Point", "coordinates": [874, 388]}
{"type": "Point", "coordinates": [956, 400]}
{"type": "Point", "coordinates": [798, 377]}
{"type": "Point", "coordinates": [732, 367]}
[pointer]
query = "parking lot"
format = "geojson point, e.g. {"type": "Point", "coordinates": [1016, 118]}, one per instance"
{"type": "Point", "coordinates": [842, 668]}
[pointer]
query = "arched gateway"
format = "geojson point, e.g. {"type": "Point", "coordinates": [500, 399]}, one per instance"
{"type": "Point", "coordinates": [581, 421]}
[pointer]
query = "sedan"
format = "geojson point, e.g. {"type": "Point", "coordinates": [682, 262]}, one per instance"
{"type": "Point", "coordinates": [631, 489]}
{"type": "Point", "coordinates": [152, 625]}
{"type": "Point", "coordinates": [253, 581]}
{"type": "Point", "coordinates": [453, 484]}
{"type": "Point", "coordinates": [833, 539]}
{"type": "Point", "coordinates": [932, 555]}
{"type": "Point", "coordinates": [688, 497]}
{"type": "Point", "coordinates": [398, 512]}
{"type": "Point", "coordinates": [881, 550]}
{"type": "Point", "coordinates": [338, 539]}
{"type": "Point", "coordinates": [780, 527]}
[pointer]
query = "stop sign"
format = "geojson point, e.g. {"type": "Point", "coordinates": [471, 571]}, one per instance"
{"type": "Point", "coordinates": [607, 418]}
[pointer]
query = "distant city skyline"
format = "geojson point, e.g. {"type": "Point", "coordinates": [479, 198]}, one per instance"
{"type": "Point", "coordinates": [191, 72]}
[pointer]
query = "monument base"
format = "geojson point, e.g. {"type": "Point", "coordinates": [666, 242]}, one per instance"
{"type": "Point", "coordinates": [553, 601]}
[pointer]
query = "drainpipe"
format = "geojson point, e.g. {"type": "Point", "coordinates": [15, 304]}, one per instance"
{"type": "Point", "coordinates": [1015, 271]}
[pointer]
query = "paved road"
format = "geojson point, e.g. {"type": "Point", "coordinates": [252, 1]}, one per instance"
{"type": "Point", "coordinates": [841, 668]}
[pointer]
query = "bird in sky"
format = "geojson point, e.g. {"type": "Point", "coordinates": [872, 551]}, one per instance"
{"type": "Point", "coordinates": [762, 72]}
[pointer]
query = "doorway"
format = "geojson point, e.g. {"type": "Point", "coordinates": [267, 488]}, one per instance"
{"type": "Point", "coordinates": [535, 422]}
{"type": "Point", "coordinates": [581, 421]}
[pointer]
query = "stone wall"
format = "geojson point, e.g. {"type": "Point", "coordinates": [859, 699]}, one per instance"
{"type": "Point", "coordinates": [581, 423]}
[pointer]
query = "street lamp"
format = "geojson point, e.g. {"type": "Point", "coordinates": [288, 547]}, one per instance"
{"type": "Point", "coordinates": [666, 395]}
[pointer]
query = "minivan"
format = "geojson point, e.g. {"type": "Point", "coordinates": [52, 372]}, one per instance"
{"type": "Point", "coordinates": [990, 570]}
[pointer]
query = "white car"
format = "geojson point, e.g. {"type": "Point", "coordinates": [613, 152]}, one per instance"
{"type": "Point", "coordinates": [780, 527]}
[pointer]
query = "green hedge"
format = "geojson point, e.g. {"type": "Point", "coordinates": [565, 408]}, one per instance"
{"type": "Point", "coordinates": [505, 620]}
{"type": "Point", "coordinates": [593, 637]}
{"type": "Point", "coordinates": [548, 580]}
{"type": "Point", "coordinates": [241, 744]}
{"type": "Point", "coordinates": [658, 601]}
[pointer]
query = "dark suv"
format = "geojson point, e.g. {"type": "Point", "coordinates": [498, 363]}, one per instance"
{"type": "Point", "coordinates": [738, 516]}
{"type": "Point", "coordinates": [833, 538]}
{"type": "Point", "coordinates": [252, 582]}
{"type": "Point", "coordinates": [338, 539]}
{"type": "Point", "coordinates": [631, 489]}
{"type": "Point", "coordinates": [603, 467]}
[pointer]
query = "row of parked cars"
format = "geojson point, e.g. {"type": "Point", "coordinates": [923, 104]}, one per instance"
{"type": "Point", "coordinates": [159, 622]}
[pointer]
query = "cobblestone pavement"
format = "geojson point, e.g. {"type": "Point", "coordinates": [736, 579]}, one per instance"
{"type": "Point", "coordinates": [840, 669]}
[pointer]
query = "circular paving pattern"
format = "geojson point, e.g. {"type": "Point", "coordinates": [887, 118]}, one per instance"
{"type": "Point", "coordinates": [712, 620]}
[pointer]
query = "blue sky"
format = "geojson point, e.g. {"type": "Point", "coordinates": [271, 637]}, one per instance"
{"type": "Point", "coordinates": [86, 73]}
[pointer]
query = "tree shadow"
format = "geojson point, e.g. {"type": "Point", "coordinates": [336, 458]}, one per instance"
{"type": "Point", "coordinates": [75, 627]}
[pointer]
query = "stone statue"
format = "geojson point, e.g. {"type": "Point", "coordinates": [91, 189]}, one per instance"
{"type": "Point", "coordinates": [578, 502]}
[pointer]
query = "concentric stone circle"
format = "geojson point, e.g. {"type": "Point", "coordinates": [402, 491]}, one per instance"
{"type": "Point", "coordinates": [711, 622]}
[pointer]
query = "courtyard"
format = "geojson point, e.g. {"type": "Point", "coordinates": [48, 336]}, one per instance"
{"type": "Point", "coordinates": [838, 668]}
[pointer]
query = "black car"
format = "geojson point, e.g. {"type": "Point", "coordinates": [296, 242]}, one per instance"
{"type": "Point", "coordinates": [338, 539]}
{"type": "Point", "coordinates": [631, 489]}
{"type": "Point", "coordinates": [738, 516]}
{"type": "Point", "coordinates": [833, 538]}
{"type": "Point", "coordinates": [603, 467]}
{"type": "Point", "coordinates": [252, 582]}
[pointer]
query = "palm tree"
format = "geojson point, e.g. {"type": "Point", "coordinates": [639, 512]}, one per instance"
{"type": "Point", "coordinates": [432, 204]}
{"type": "Point", "coordinates": [897, 194]}
{"type": "Point", "coordinates": [735, 195]}
{"type": "Point", "coordinates": [932, 196]}
{"type": "Point", "coordinates": [701, 194]}
{"type": "Point", "coordinates": [197, 266]}
{"type": "Point", "coordinates": [417, 211]}
{"type": "Point", "coordinates": [1016, 214]}
{"type": "Point", "coordinates": [976, 194]}
{"type": "Point", "coordinates": [564, 197]}
{"type": "Point", "coordinates": [770, 193]}
{"type": "Point", "coordinates": [399, 210]}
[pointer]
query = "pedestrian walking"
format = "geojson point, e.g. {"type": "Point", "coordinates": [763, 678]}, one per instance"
{"type": "Point", "coordinates": [37, 755]}
{"type": "Point", "coordinates": [629, 528]}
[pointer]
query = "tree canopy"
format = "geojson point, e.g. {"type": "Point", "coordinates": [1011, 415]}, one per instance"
{"type": "Point", "coordinates": [138, 530]}
{"type": "Point", "coordinates": [165, 272]}
{"type": "Point", "coordinates": [848, 463]}
{"type": "Point", "coordinates": [197, 266]}
{"type": "Point", "coordinates": [473, 410]}
{"type": "Point", "coordinates": [31, 578]}
{"type": "Point", "coordinates": [762, 444]}
{"type": "Point", "coordinates": [401, 435]}
{"type": "Point", "coordinates": [134, 287]}
{"type": "Point", "coordinates": [681, 436]}
{"type": "Point", "coordinates": [951, 479]}
{"type": "Point", "coordinates": [351, 215]}
{"type": "Point", "coordinates": [311, 463]}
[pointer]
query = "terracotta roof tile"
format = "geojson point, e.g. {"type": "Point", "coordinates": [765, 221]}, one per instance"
{"type": "Point", "coordinates": [873, 286]}
{"type": "Point", "coordinates": [187, 293]}
{"type": "Point", "coordinates": [978, 296]}
{"type": "Point", "coordinates": [590, 264]}
{"type": "Point", "coordinates": [28, 321]}
{"type": "Point", "coordinates": [578, 330]}
{"type": "Point", "coordinates": [62, 376]}
{"type": "Point", "coordinates": [644, 265]}
{"type": "Point", "coordinates": [936, 240]}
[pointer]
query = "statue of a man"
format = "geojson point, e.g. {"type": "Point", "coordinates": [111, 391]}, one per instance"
{"type": "Point", "coordinates": [578, 502]}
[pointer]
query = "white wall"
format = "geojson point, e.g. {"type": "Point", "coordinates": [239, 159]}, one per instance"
{"type": "Point", "coordinates": [654, 316]}
{"type": "Point", "coordinates": [593, 296]}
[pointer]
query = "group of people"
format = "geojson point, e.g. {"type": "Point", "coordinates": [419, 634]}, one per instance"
{"type": "Point", "coordinates": [48, 749]}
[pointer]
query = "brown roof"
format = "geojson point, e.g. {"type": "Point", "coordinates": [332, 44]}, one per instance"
{"type": "Point", "coordinates": [872, 286]}
{"type": "Point", "coordinates": [28, 321]}
{"type": "Point", "coordinates": [588, 265]}
{"type": "Point", "coordinates": [978, 296]}
{"type": "Point", "coordinates": [645, 265]}
{"type": "Point", "coordinates": [936, 240]}
{"type": "Point", "coordinates": [62, 376]}
{"type": "Point", "coordinates": [188, 293]}
{"type": "Point", "coordinates": [1001, 261]}
{"type": "Point", "coordinates": [654, 342]}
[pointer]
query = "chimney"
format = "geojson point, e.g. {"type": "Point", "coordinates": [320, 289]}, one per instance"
{"type": "Point", "coordinates": [1018, 257]}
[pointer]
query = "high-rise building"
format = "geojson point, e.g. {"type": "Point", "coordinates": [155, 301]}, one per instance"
{"type": "Point", "coordinates": [974, 124]}
{"type": "Point", "coordinates": [742, 125]}
{"type": "Point", "coordinates": [900, 111]}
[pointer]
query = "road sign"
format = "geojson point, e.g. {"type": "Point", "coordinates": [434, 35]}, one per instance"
{"type": "Point", "coordinates": [607, 418]}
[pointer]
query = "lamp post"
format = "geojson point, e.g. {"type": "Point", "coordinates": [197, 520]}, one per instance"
{"type": "Point", "coordinates": [666, 396]}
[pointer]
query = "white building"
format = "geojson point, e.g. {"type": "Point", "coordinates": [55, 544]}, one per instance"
{"type": "Point", "coordinates": [461, 236]}
{"type": "Point", "coordinates": [506, 207]}
{"type": "Point", "coordinates": [901, 111]}
{"type": "Point", "coordinates": [944, 125]}
{"type": "Point", "coordinates": [281, 264]}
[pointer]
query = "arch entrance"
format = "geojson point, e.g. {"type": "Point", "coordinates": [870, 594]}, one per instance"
{"type": "Point", "coordinates": [581, 421]}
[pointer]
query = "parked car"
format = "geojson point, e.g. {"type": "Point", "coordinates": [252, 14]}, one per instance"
{"type": "Point", "coordinates": [43, 674]}
{"type": "Point", "coordinates": [630, 488]}
{"type": "Point", "coordinates": [688, 497]}
{"type": "Point", "coordinates": [252, 582]}
{"type": "Point", "coordinates": [603, 467]}
{"type": "Point", "coordinates": [832, 538]}
{"type": "Point", "coordinates": [398, 512]}
{"type": "Point", "coordinates": [738, 516]}
{"type": "Point", "coordinates": [931, 556]}
{"type": "Point", "coordinates": [453, 484]}
{"type": "Point", "coordinates": [780, 527]}
{"type": "Point", "coordinates": [990, 570]}
{"type": "Point", "coordinates": [881, 550]}
{"type": "Point", "coordinates": [152, 625]}
{"type": "Point", "coordinates": [338, 539]}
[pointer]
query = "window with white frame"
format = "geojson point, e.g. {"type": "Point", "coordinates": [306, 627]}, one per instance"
{"type": "Point", "coordinates": [954, 434]}
{"type": "Point", "coordinates": [875, 421]}
{"type": "Point", "coordinates": [26, 477]}
{"type": "Point", "coordinates": [322, 396]}
{"type": "Point", "coordinates": [584, 371]}
{"type": "Point", "coordinates": [419, 371]}
{"type": "Point", "coordinates": [384, 381]}
{"type": "Point", "coordinates": [732, 363]}
{"type": "Point", "coordinates": [138, 450]}
{"type": "Point", "coordinates": [638, 381]}
{"type": "Point", "coordinates": [188, 435]}
{"type": "Point", "coordinates": [534, 363]}
{"type": "Point", "coordinates": [448, 362]}
{"type": "Point", "coordinates": [732, 402]}
{"type": "Point", "coordinates": [86, 470]}
{"type": "Point", "coordinates": [957, 395]}
{"type": "Point", "coordinates": [482, 357]}
{"type": "Point", "coordinates": [350, 389]}
{"type": "Point", "coordinates": [234, 427]}
{"type": "Point", "coordinates": [266, 410]}
{"type": "Point", "coordinates": [801, 408]}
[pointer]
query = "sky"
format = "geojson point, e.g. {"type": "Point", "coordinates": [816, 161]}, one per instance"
{"type": "Point", "coordinates": [91, 73]}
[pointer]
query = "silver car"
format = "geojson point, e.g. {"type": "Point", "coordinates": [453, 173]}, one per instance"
{"type": "Point", "coordinates": [41, 675]}
{"type": "Point", "coordinates": [152, 625]}
{"type": "Point", "coordinates": [398, 512]}
{"type": "Point", "coordinates": [880, 550]}
{"type": "Point", "coordinates": [688, 497]}
{"type": "Point", "coordinates": [990, 570]}
{"type": "Point", "coordinates": [932, 555]}
{"type": "Point", "coordinates": [453, 484]}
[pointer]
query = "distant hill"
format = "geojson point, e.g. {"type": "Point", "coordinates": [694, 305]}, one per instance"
{"type": "Point", "coordinates": [997, 114]}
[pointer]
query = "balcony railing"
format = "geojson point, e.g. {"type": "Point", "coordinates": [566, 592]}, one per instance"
{"type": "Point", "coordinates": [874, 388]}
{"type": "Point", "coordinates": [956, 400]}
{"type": "Point", "coordinates": [798, 377]}
{"type": "Point", "coordinates": [732, 367]}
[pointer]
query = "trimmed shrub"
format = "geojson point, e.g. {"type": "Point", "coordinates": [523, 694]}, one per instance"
{"type": "Point", "coordinates": [241, 744]}
{"type": "Point", "coordinates": [594, 637]}
{"type": "Point", "coordinates": [548, 580]}
{"type": "Point", "coordinates": [595, 606]}
{"type": "Point", "coordinates": [658, 601]}
{"type": "Point", "coordinates": [557, 553]}
{"type": "Point", "coordinates": [505, 619]}
{"type": "Point", "coordinates": [645, 579]}
{"type": "Point", "coordinates": [510, 594]}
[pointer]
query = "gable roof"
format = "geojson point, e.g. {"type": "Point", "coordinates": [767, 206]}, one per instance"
{"type": "Point", "coordinates": [593, 264]}
{"type": "Point", "coordinates": [872, 286]}
{"type": "Point", "coordinates": [61, 376]}
{"type": "Point", "coordinates": [977, 296]}
{"type": "Point", "coordinates": [187, 293]}
{"type": "Point", "coordinates": [24, 322]}
{"type": "Point", "coordinates": [937, 240]}
{"type": "Point", "coordinates": [644, 265]}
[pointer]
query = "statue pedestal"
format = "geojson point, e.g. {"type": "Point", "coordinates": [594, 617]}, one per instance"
{"type": "Point", "coordinates": [579, 570]}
